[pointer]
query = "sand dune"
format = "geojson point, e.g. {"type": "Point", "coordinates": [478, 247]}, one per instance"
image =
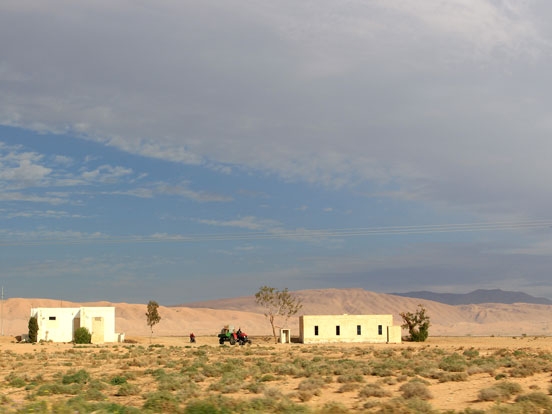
{"type": "Point", "coordinates": [206, 318]}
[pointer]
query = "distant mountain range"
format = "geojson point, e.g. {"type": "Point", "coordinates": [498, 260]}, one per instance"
{"type": "Point", "coordinates": [477, 297]}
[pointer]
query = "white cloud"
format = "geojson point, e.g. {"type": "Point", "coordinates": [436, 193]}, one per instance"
{"type": "Point", "coordinates": [444, 96]}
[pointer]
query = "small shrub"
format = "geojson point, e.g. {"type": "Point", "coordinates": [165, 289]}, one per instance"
{"type": "Point", "coordinates": [15, 381]}
{"type": "Point", "coordinates": [127, 389]}
{"type": "Point", "coordinates": [79, 377]}
{"type": "Point", "coordinates": [309, 388]}
{"type": "Point", "coordinates": [453, 363]}
{"type": "Point", "coordinates": [538, 399]}
{"type": "Point", "coordinates": [373, 390]}
{"type": "Point", "coordinates": [499, 392]}
{"type": "Point", "coordinates": [348, 387]}
{"type": "Point", "coordinates": [118, 380]}
{"type": "Point", "coordinates": [82, 336]}
{"type": "Point", "coordinates": [471, 353]}
{"type": "Point", "coordinates": [415, 389]}
{"type": "Point", "coordinates": [161, 402]}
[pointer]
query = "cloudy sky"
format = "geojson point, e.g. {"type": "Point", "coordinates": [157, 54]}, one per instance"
{"type": "Point", "coordinates": [190, 150]}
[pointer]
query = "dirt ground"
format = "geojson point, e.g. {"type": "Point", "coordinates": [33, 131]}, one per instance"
{"type": "Point", "coordinates": [446, 396]}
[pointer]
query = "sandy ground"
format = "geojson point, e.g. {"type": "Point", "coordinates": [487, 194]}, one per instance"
{"type": "Point", "coordinates": [446, 396]}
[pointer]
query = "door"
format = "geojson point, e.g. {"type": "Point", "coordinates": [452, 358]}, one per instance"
{"type": "Point", "coordinates": [97, 330]}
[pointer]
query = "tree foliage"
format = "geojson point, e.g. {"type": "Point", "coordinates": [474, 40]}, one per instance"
{"type": "Point", "coordinates": [82, 336]}
{"type": "Point", "coordinates": [277, 303]}
{"type": "Point", "coordinates": [417, 324]}
{"type": "Point", "coordinates": [152, 315]}
{"type": "Point", "coordinates": [33, 329]}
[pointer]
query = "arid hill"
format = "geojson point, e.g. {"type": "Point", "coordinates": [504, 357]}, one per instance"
{"type": "Point", "coordinates": [206, 318]}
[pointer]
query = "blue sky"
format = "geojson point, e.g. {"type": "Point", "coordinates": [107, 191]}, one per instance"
{"type": "Point", "coordinates": [183, 151]}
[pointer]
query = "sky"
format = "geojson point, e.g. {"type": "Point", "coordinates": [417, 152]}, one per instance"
{"type": "Point", "coordinates": [180, 151]}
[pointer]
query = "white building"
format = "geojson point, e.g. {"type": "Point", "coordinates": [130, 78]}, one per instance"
{"type": "Point", "coordinates": [348, 328]}
{"type": "Point", "coordinates": [60, 324]}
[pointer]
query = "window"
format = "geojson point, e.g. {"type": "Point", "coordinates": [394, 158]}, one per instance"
{"type": "Point", "coordinates": [380, 330]}
{"type": "Point", "coordinates": [315, 330]}
{"type": "Point", "coordinates": [359, 330]}
{"type": "Point", "coordinates": [337, 330]}
{"type": "Point", "coordinates": [51, 318]}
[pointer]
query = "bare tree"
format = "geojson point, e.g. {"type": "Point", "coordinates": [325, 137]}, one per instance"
{"type": "Point", "coordinates": [152, 315]}
{"type": "Point", "coordinates": [277, 303]}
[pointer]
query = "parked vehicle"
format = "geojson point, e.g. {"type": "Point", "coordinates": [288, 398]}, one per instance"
{"type": "Point", "coordinates": [243, 338]}
{"type": "Point", "coordinates": [227, 334]}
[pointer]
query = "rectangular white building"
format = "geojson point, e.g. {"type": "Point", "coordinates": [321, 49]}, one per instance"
{"type": "Point", "coordinates": [60, 324]}
{"type": "Point", "coordinates": [348, 328]}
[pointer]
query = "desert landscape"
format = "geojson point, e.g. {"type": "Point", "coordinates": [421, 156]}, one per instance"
{"type": "Point", "coordinates": [479, 358]}
{"type": "Point", "coordinates": [206, 318]}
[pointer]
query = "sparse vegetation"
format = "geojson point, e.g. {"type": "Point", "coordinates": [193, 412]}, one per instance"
{"type": "Point", "coordinates": [298, 378]}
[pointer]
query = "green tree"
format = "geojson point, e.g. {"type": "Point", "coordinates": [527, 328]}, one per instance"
{"type": "Point", "coordinates": [33, 329]}
{"type": "Point", "coordinates": [152, 315]}
{"type": "Point", "coordinates": [82, 336]}
{"type": "Point", "coordinates": [277, 303]}
{"type": "Point", "coordinates": [417, 324]}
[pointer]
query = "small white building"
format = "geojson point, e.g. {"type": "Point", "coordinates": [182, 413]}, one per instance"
{"type": "Point", "coordinates": [60, 324]}
{"type": "Point", "coordinates": [348, 328]}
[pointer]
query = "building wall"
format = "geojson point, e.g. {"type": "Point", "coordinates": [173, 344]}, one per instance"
{"type": "Point", "coordinates": [348, 328]}
{"type": "Point", "coordinates": [59, 324]}
{"type": "Point", "coordinates": [89, 319]}
{"type": "Point", "coordinates": [55, 324]}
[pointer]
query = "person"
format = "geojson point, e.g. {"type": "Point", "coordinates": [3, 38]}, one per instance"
{"type": "Point", "coordinates": [192, 337]}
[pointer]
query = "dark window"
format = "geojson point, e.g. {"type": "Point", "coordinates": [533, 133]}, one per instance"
{"type": "Point", "coordinates": [315, 330]}
{"type": "Point", "coordinates": [51, 318]}
{"type": "Point", "coordinates": [359, 330]}
{"type": "Point", "coordinates": [380, 330]}
{"type": "Point", "coordinates": [337, 330]}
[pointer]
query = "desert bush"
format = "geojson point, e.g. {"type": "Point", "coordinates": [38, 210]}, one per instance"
{"type": "Point", "coordinates": [255, 387]}
{"type": "Point", "coordinates": [79, 377]}
{"type": "Point", "coordinates": [502, 391]}
{"type": "Point", "coordinates": [373, 390]}
{"type": "Point", "coordinates": [127, 389]}
{"type": "Point", "coordinates": [348, 387]}
{"type": "Point", "coordinates": [471, 353]}
{"type": "Point", "coordinates": [273, 393]}
{"type": "Point", "coordinates": [526, 368]}
{"type": "Point", "coordinates": [267, 377]}
{"type": "Point", "coordinates": [534, 402]}
{"type": "Point", "coordinates": [401, 406]}
{"type": "Point", "coordinates": [332, 408]}
{"type": "Point", "coordinates": [415, 389]}
{"type": "Point", "coordinates": [82, 336]}
{"type": "Point", "coordinates": [350, 378]}
{"type": "Point", "coordinates": [94, 395]}
{"type": "Point", "coordinates": [226, 385]}
{"type": "Point", "coordinates": [310, 387]}
{"type": "Point", "coordinates": [452, 376]}
{"type": "Point", "coordinates": [453, 363]}
{"type": "Point", "coordinates": [118, 380]}
{"type": "Point", "coordinates": [161, 402]}
{"type": "Point", "coordinates": [54, 388]}
{"type": "Point", "coordinates": [15, 381]}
